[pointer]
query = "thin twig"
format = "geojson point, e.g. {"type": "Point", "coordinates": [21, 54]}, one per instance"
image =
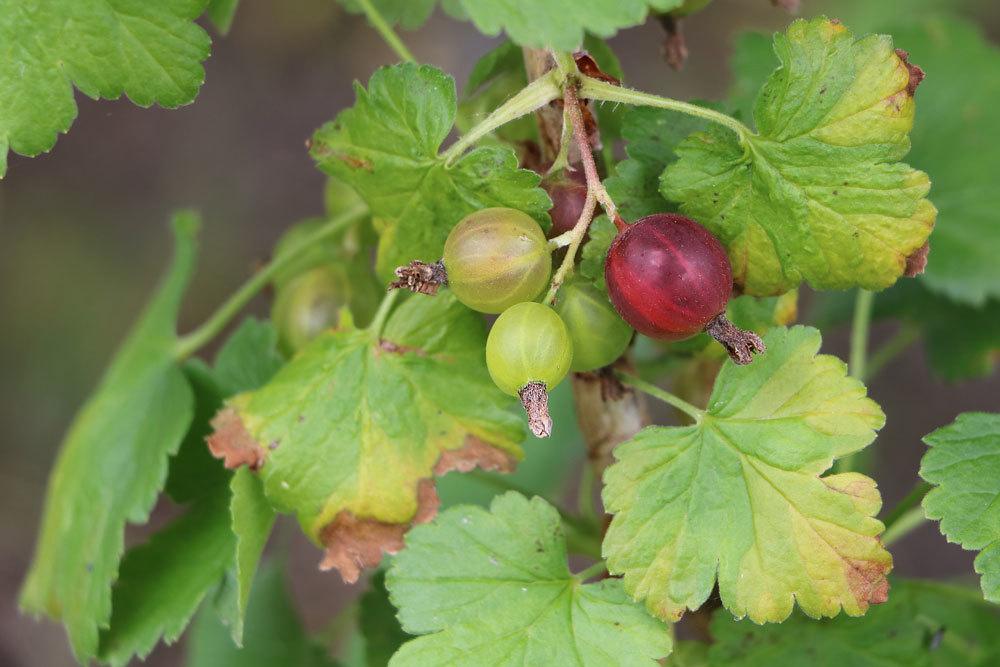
{"type": "Point", "coordinates": [594, 185]}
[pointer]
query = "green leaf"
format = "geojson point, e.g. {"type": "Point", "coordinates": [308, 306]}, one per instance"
{"type": "Point", "coordinates": [275, 635]}
{"type": "Point", "coordinates": [150, 51]}
{"type": "Point", "coordinates": [818, 193]}
{"type": "Point", "coordinates": [964, 465]}
{"type": "Point", "coordinates": [494, 587]}
{"type": "Point", "coordinates": [222, 13]}
{"type": "Point", "coordinates": [251, 520]}
{"type": "Point", "coordinates": [410, 14]}
{"type": "Point", "coordinates": [378, 414]}
{"type": "Point", "coordinates": [956, 113]}
{"type": "Point", "coordinates": [113, 464]}
{"type": "Point", "coordinates": [651, 136]}
{"type": "Point", "coordinates": [249, 358]}
{"type": "Point", "coordinates": [162, 582]}
{"type": "Point", "coordinates": [386, 147]}
{"type": "Point", "coordinates": [923, 624]}
{"type": "Point", "coordinates": [559, 24]}
{"type": "Point", "coordinates": [378, 624]}
{"type": "Point", "coordinates": [495, 78]}
{"type": "Point", "coordinates": [739, 494]}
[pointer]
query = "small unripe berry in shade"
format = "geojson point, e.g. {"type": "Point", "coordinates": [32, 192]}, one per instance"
{"type": "Point", "coordinates": [495, 258]}
{"type": "Point", "coordinates": [568, 192]}
{"type": "Point", "coordinates": [668, 276]}
{"type": "Point", "coordinates": [599, 335]}
{"type": "Point", "coordinates": [307, 305]}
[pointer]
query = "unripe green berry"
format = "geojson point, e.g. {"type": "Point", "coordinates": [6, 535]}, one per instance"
{"type": "Point", "coordinates": [307, 305]}
{"type": "Point", "coordinates": [599, 335]}
{"type": "Point", "coordinates": [528, 343]}
{"type": "Point", "coordinates": [495, 258]}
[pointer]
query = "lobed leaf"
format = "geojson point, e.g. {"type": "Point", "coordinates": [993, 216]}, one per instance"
{"type": "Point", "coordinates": [964, 465]}
{"type": "Point", "coordinates": [818, 193]}
{"type": "Point", "coordinates": [386, 147]}
{"type": "Point", "coordinates": [925, 624]}
{"type": "Point", "coordinates": [350, 432]}
{"type": "Point", "coordinates": [113, 463]}
{"type": "Point", "coordinates": [738, 495]}
{"type": "Point", "coordinates": [493, 587]}
{"type": "Point", "coordinates": [559, 24]}
{"type": "Point", "coordinates": [150, 51]}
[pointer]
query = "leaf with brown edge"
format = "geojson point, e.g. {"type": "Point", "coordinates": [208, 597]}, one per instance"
{"type": "Point", "coordinates": [363, 420]}
{"type": "Point", "coordinates": [739, 497]}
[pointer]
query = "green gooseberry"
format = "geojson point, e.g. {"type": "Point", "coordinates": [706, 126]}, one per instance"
{"type": "Point", "coordinates": [599, 335]}
{"type": "Point", "coordinates": [307, 305]}
{"type": "Point", "coordinates": [495, 258]}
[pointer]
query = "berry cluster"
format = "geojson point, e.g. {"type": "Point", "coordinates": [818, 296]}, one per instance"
{"type": "Point", "coordinates": [667, 278]}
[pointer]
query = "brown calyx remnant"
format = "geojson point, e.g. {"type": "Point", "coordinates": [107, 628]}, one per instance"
{"type": "Point", "coordinates": [231, 442]}
{"type": "Point", "coordinates": [867, 581]}
{"type": "Point", "coordinates": [792, 6]}
{"type": "Point", "coordinates": [535, 399]}
{"type": "Point", "coordinates": [353, 543]}
{"type": "Point", "coordinates": [739, 344]}
{"type": "Point", "coordinates": [917, 261]}
{"type": "Point", "coordinates": [420, 277]}
{"type": "Point", "coordinates": [474, 454]}
{"type": "Point", "coordinates": [916, 73]}
{"type": "Point", "coordinates": [675, 50]}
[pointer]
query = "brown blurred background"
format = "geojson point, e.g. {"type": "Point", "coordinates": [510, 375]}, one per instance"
{"type": "Point", "coordinates": [83, 239]}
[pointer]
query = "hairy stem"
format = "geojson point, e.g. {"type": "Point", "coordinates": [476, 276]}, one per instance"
{"type": "Point", "coordinates": [382, 314]}
{"type": "Point", "coordinates": [662, 394]}
{"type": "Point", "coordinates": [535, 95]}
{"type": "Point", "coordinates": [594, 185]}
{"type": "Point", "coordinates": [213, 326]}
{"type": "Point", "coordinates": [605, 92]}
{"type": "Point", "coordinates": [385, 30]}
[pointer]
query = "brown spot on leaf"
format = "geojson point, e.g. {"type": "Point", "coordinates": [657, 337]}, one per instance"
{"type": "Point", "coordinates": [355, 162]}
{"type": "Point", "coordinates": [231, 442]}
{"type": "Point", "coordinates": [917, 262]}
{"type": "Point", "coordinates": [385, 345]}
{"type": "Point", "coordinates": [474, 454]}
{"type": "Point", "coordinates": [867, 581]}
{"type": "Point", "coordinates": [916, 73]}
{"type": "Point", "coordinates": [353, 543]}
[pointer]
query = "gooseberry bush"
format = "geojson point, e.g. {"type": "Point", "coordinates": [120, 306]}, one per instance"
{"type": "Point", "coordinates": [625, 242]}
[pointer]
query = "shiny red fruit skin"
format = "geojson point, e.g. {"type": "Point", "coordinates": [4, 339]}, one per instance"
{"type": "Point", "coordinates": [668, 276]}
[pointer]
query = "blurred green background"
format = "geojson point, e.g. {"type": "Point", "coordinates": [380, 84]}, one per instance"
{"type": "Point", "coordinates": [83, 239]}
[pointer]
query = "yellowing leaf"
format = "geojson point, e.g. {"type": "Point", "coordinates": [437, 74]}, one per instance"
{"type": "Point", "coordinates": [818, 193]}
{"type": "Point", "coordinates": [739, 494]}
{"type": "Point", "coordinates": [964, 464]}
{"type": "Point", "coordinates": [150, 51]}
{"type": "Point", "coordinates": [494, 588]}
{"type": "Point", "coordinates": [350, 432]}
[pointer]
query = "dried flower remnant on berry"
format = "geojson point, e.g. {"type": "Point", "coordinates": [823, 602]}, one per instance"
{"type": "Point", "coordinates": [420, 277]}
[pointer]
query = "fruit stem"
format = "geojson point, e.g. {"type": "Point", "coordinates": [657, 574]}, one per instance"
{"type": "Point", "coordinates": [632, 381]}
{"type": "Point", "coordinates": [385, 30]}
{"type": "Point", "coordinates": [382, 314]}
{"type": "Point", "coordinates": [535, 95]}
{"type": "Point", "coordinates": [535, 400]}
{"type": "Point", "coordinates": [601, 91]}
{"type": "Point", "coordinates": [904, 525]}
{"type": "Point", "coordinates": [571, 103]}
{"type": "Point", "coordinates": [420, 277]}
{"type": "Point", "coordinates": [192, 342]}
{"type": "Point", "coordinates": [739, 344]}
{"type": "Point", "coordinates": [911, 501]}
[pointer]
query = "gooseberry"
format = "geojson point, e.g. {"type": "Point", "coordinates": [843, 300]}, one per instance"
{"type": "Point", "coordinates": [528, 352]}
{"type": "Point", "coordinates": [670, 279]}
{"type": "Point", "coordinates": [495, 258]}
{"type": "Point", "coordinates": [599, 335]}
{"type": "Point", "coordinates": [308, 304]}
{"type": "Point", "coordinates": [568, 192]}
